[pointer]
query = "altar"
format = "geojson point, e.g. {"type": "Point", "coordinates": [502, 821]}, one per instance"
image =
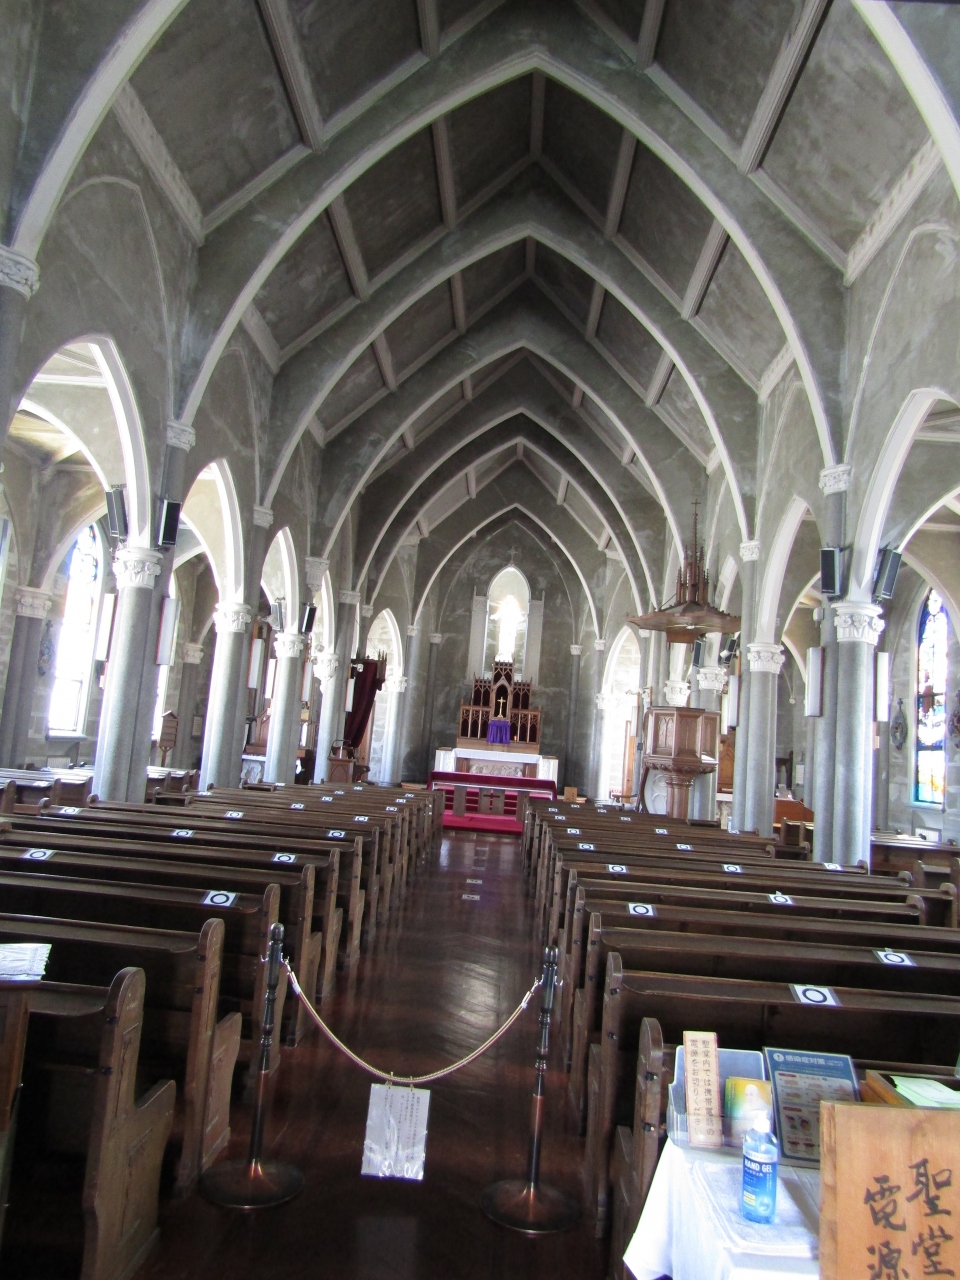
{"type": "Point", "coordinates": [511, 761]}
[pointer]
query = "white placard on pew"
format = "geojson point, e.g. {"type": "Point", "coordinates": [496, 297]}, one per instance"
{"type": "Point", "coordinates": [182, 833]}
{"type": "Point", "coordinates": [361, 817]}
{"type": "Point", "coordinates": [733, 868]}
{"type": "Point", "coordinates": [298, 806]}
{"type": "Point", "coordinates": [327, 799]}
{"type": "Point", "coordinates": [901, 958]}
{"type": "Point", "coordinates": [587, 847]}
{"type": "Point", "coordinates": [688, 847]}
{"type": "Point", "coordinates": [336, 835]}
{"type": "Point", "coordinates": [660, 831]}
{"type": "Point", "coordinates": [390, 808]}
{"type": "Point", "coordinates": [395, 1142]}
{"type": "Point", "coordinates": [573, 831]}
{"type": "Point", "coordinates": [807, 993]}
{"type": "Point", "coordinates": [616, 868]}
{"type": "Point", "coordinates": [37, 855]}
{"type": "Point", "coordinates": [68, 810]}
{"type": "Point", "coordinates": [641, 909]}
{"type": "Point", "coordinates": [234, 813]}
{"type": "Point", "coordinates": [626, 819]}
{"type": "Point", "coordinates": [781, 899]}
{"type": "Point", "coordinates": [832, 866]}
{"type": "Point", "coordinates": [218, 898]}
{"type": "Point", "coordinates": [284, 857]}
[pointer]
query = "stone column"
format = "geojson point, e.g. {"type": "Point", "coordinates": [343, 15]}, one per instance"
{"type": "Point", "coordinates": [325, 670]}
{"type": "Point", "coordinates": [570, 772]}
{"type": "Point", "coordinates": [343, 640]}
{"type": "Point", "coordinates": [703, 804]}
{"type": "Point", "coordinates": [220, 765]}
{"type": "Point", "coordinates": [765, 663]}
{"type": "Point", "coordinates": [19, 280]}
{"type": "Point", "coordinates": [32, 608]}
{"type": "Point", "coordinates": [426, 764]}
{"type": "Point", "coordinates": [409, 732]}
{"type": "Point", "coordinates": [396, 689]}
{"type": "Point", "coordinates": [834, 483]}
{"type": "Point", "coordinates": [881, 777]}
{"type": "Point", "coordinates": [809, 760]}
{"type": "Point", "coordinates": [285, 708]}
{"type": "Point", "coordinates": [749, 555]}
{"type": "Point", "coordinates": [366, 617]}
{"type": "Point", "coordinates": [593, 773]}
{"type": "Point", "coordinates": [118, 748]}
{"type": "Point", "coordinates": [858, 629]}
{"type": "Point", "coordinates": [187, 704]}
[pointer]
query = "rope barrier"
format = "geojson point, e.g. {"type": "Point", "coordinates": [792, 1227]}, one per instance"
{"type": "Point", "coordinates": [388, 1076]}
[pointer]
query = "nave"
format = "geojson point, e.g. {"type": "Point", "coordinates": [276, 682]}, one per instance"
{"type": "Point", "coordinates": [439, 978]}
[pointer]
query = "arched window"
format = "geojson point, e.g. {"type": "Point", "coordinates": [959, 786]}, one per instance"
{"type": "Point", "coordinates": [508, 608]}
{"type": "Point", "coordinates": [78, 633]}
{"type": "Point", "coordinates": [931, 701]}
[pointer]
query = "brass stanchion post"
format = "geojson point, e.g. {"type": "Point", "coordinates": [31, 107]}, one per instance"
{"type": "Point", "coordinates": [256, 1183]}
{"type": "Point", "coordinates": [528, 1205]}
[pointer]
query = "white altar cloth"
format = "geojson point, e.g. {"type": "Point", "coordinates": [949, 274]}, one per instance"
{"type": "Point", "coordinates": [445, 759]}
{"type": "Point", "coordinates": [691, 1228]}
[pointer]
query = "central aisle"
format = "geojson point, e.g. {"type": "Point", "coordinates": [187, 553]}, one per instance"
{"type": "Point", "coordinates": [437, 982]}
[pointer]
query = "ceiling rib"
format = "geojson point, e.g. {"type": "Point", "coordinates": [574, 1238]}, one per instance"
{"type": "Point", "coordinates": [562, 490]}
{"type": "Point", "coordinates": [593, 314]}
{"type": "Point", "coordinates": [349, 248]}
{"type": "Point", "coordinates": [429, 19]}
{"type": "Point", "coordinates": [472, 482]}
{"type": "Point", "coordinates": [445, 178]}
{"type": "Point", "coordinates": [381, 349]}
{"type": "Point", "coordinates": [577, 398]}
{"type": "Point", "coordinates": [649, 33]}
{"type": "Point", "coordinates": [702, 274]}
{"type": "Point", "coordinates": [658, 381]}
{"type": "Point", "coordinates": [458, 297]}
{"type": "Point", "coordinates": [467, 386]}
{"type": "Point", "coordinates": [621, 180]}
{"type": "Point", "coordinates": [293, 68]}
{"type": "Point", "coordinates": [537, 105]}
{"type": "Point", "coordinates": [780, 84]}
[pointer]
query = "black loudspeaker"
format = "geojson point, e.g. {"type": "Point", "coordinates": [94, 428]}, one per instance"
{"type": "Point", "coordinates": [699, 652]}
{"type": "Point", "coordinates": [729, 649]}
{"type": "Point", "coordinates": [169, 524]}
{"type": "Point", "coordinates": [116, 513]}
{"type": "Point", "coordinates": [308, 614]}
{"type": "Point", "coordinates": [278, 614]}
{"type": "Point", "coordinates": [830, 571]}
{"type": "Point", "coordinates": [887, 570]}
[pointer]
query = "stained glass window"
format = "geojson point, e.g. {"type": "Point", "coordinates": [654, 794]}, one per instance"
{"type": "Point", "coordinates": [931, 701]}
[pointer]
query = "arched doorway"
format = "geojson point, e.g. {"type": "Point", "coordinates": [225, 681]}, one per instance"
{"type": "Point", "coordinates": [384, 637]}
{"type": "Point", "coordinates": [619, 700]}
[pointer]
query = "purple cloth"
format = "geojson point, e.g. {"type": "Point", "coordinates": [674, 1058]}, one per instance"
{"type": "Point", "coordinates": [498, 731]}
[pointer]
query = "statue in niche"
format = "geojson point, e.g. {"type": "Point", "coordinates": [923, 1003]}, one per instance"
{"type": "Point", "coordinates": [508, 616]}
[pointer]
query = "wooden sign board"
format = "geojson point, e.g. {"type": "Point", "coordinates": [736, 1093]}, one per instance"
{"type": "Point", "coordinates": [889, 1192]}
{"type": "Point", "coordinates": [168, 731]}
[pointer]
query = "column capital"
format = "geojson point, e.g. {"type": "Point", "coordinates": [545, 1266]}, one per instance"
{"type": "Point", "coordinates": [835, 479]}
{"type": "Point", "coordinates": [18, 272]}
{"type": "Point", "coordinates": [599, 645]}
{"type": "Point", "coordinates": [33, 603]}
{"type": "Point", "coordinates": [436, 637]}
{"type": "Point", "coordinates": [180, 435]}
{"type": "Point", "coordinates": [366, 610]}
{"type": "Point", "coordinates": [325, 664]}
{"type": "Point", "coordinates": [576, 650]}
{"type": "Point", "coordinates": [676, 693]}
{"type": "Point", "coordinates": [712, 679]}
{"type": "Point", "coordinates": [229, 618]}
{"type": "Point", "coordinates": [749, 551]}
{"type": "Point", "coordinates": [262, 517]}
{"type": "Point", "coordinates": [606, 701]}
{"type": "Point", "coordinates": [136, 567]}
{"type": "Point", "coordinates": [858, 621]}
{"type": "Point", "coordinates": [765, 658]}
{"type": "Point", "coordinates": [288, 644]}
{"type": "Point", "coordinates": [412, 631]}
{"type": "Point", "coordinates": [350, 597]}
{"type": "Point", "coordinates": [398, 684]}
{"type": "Point", "coordinates": [193, 654]}
{"type": "Point", "coordinates": [314, 568]}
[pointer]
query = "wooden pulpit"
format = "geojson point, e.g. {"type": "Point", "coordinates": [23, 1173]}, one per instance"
{"type": "Point", "coordinates": [682, 743]}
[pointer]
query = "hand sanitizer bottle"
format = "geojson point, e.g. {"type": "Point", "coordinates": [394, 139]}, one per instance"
{"type": "Point", "coordinates": [758, 1197]}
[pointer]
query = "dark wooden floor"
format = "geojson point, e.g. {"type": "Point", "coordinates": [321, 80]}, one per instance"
{"type": "Point", "coordinates": [436, 983]}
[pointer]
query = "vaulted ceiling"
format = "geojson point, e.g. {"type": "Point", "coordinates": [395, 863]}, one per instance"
{"type": "Point", "coordinates": [582, 240]}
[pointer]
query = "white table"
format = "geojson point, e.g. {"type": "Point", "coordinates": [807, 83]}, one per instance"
{"type": "Point", "coordinates": [691, 1228]}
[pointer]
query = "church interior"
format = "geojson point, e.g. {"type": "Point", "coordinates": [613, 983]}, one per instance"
{"type": "Point", "coordinates": [479, 570]}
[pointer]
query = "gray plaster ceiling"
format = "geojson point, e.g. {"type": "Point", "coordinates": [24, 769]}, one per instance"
{"type": "Point", "coordinates": [434, 169]}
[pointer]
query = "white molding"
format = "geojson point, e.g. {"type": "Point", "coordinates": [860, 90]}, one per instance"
{"type": "Point", "coordinates": [288, 644]}
{"type": "Point", "coordinates": [136, 567]}
{"type": "Point", "coordinates": [428, 17]}
{"type": "Point", "coordinates": [774, 371]}
{"type": "Point", "coordinates": [835, 479]}
{"type": "Point", "coordinates": [33, 603]}
{"type": "Point", "coordinates": [649, 33]}
{"type": "Point", "coordinates": [576, 650]}
{"type": "Point", "coordinates": [693, 111]}
{"type": "Point", "coordinates": [749, 551]}
{"type": "Point", "coordinates": [800, 218]}
{"type": "Point", "coordinates": [858, 622]}
{"type": "Point", "coordinates": [258, 329]}
{"type": "Point", "coordinates": [262, 517]}
{"type": "Point", "coordinates": [293, 69]}
{"type": "Point", "coordinates": [658, 380]}
{"type": "Point", "coordinates": [314, 568]}
{"type": "Point", "coordinates": [712, 679]}
{"type": "Point", "coordinates": [255, 187]}
{"type": "Point", "coordinates": [891, 211]}
{"type": "Point", "coordinates": [180, 435]}
{"type": "Point", "coordinates": [350, 598]}
{"type": "Point", "coordinates": [192, 654]}
{"type": "Point", "coordinates": [436, 637]}
{"type": "Point", "coordinates": [135, 122]}
{"type": "Point", "coordinates": [18, 272]}
{"type": "Point", "coordinates": [446, 182]}
{"type": "Point", "coordinates": [231, 618]}
{"type": "Point", "coordinates": [676, 693]}
{"type": "Point", "coordinates": [703, 272]}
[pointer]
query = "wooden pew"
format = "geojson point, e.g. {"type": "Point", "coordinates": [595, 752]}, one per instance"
{"type": "Point", "coordinates": [77, 1113]}
{"type": "Point", "coordinates": [247, 920]}
{"type": "Point", "coordinates": [878, 1028]}
{"type": "Point", "coordinates": [181, 1035]}
{"type": "Point", "coordinates": [636, 1149]}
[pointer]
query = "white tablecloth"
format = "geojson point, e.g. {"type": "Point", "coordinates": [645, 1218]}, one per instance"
{"type": "Point", "coordinates": [691, 1228]}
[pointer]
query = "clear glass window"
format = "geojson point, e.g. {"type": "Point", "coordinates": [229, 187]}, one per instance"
{"type": "Point", "coordinates": [78, 633]}
{"type": "Point", "coordinates": [931, 701]}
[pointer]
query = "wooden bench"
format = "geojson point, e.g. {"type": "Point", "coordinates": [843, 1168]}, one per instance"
{"type": "Point", "coordinates": [87, 1153]}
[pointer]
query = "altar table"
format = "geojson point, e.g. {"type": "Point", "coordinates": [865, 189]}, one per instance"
{"type": "Point", "coordinates": [691, 1228]}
